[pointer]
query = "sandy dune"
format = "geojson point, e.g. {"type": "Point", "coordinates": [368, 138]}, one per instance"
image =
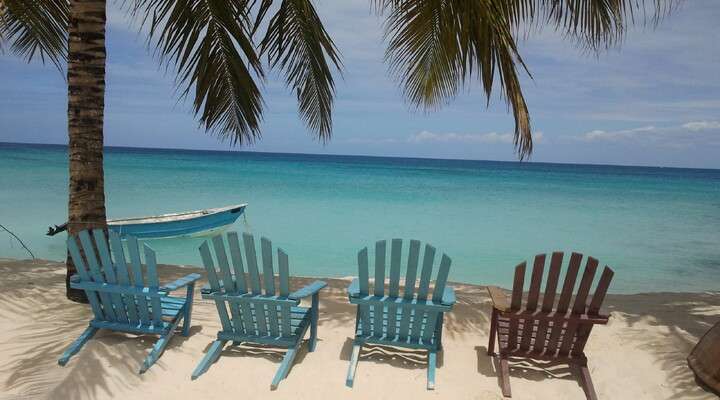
{"type": "Point", "coordinates": [639, 355]}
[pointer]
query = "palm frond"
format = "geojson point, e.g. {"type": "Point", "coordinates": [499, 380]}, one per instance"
{"type": "Point", "coordinates": [35, 28]}
{"type": "Point", "coordinates": [297, 43]}
{"type": "Point", "coordinates": [209, 42]}
{"type": "Point", "coordinates": [435, 46]}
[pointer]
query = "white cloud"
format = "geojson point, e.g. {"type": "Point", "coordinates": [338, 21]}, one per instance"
{"type": "Point", "coordinates": [701, 125]}
{"type": "Point", "coordinates": [491, 137]}
{"type": "Point", "coordinates": [599, 134]}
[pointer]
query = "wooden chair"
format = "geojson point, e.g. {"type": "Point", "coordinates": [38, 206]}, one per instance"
{"type": "Point", "coordinates": [555, 332]}
{"type": "Point", "coordinates": [255, 316]}
{"type": "Point", "coordinates": [408, 319]}
{"type": "Point", "coordinates": [704, 359]}
{"type": "Point", "coordinates": [120, 298]}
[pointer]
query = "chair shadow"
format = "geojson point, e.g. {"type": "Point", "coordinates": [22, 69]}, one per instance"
{"type": "Point", "coordinates": [394, 356]}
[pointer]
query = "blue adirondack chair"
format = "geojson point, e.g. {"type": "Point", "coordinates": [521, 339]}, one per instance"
{"type": "Point", "coordinates": [255, 316]}
{"type": "Point", "coordinates": [120, 298]}
{"type": "Point", "coordinates": [408, 319]}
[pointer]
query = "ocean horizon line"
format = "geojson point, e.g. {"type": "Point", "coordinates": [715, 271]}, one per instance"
{"type": "Point", "coordinates": [139, 149]}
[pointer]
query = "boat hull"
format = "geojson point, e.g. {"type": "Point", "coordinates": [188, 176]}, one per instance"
{"type": "Point", "coordinates": [205, 223]}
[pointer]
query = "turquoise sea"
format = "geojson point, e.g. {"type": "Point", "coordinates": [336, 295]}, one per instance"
{"type": "Point", "coordinates": [659, 228]}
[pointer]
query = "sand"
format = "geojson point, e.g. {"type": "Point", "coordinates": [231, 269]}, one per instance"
{"type": "Point", "coordinates": [640, 354]}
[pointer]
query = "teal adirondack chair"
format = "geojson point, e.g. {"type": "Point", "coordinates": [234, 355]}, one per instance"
{"type": "Point", "coordinates": [269, 317]}
{"type": "Point", "coordinates": [120, 298]}
{"type": "Point", "coordinates": [408, 319]}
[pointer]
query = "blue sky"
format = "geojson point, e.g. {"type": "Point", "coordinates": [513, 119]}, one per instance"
{"type": "Point", "coordinates": [653, 101]}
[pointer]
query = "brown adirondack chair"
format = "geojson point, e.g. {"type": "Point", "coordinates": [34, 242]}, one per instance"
{"type": "Point", "coordinates": [556, 331]}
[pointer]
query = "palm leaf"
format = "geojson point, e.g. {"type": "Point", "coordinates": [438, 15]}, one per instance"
{"type": "Point", "coordinates": [209, 42]}
{"type": "Point", "coordinates": [297, 43]}
{"type": "Point", "coordinates": [35, 28]}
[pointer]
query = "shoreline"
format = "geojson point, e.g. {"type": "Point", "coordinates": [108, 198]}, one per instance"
{"type": "Point", "coordinates": [639, 354]}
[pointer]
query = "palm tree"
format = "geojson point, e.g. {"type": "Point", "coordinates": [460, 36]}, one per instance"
{"type": "Point", "coordinates": [434, 47]}
{"type": "Point", "coordinates": [210, 44]}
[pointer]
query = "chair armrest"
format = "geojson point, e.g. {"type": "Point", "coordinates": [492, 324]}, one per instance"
{"type": "Point", "coordinates": [184, 281]}
{"type": "Point", "coordinates": [499, 298]}
{"type": "Point", "coordinates": [448, 297]}
{"type": "Point", "coordinates": [354, 288]}
{"type": "Point", "coordinates": [307, 290]}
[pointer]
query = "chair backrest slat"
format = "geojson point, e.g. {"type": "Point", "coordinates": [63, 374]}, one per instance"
{"type": "Point", "coordinates": [569, 282]}
{"type": "Point", "coordinates": [136, 266]}
{"type": "Point", "coordinates": [584, 289]}
{"type": "Point", "coordinates": [426, 273]}
{"type": "Point", "coordinates": [223, 264]}
{"type": "Point", "coordinates": [110, 274]}
{"type": "Point", "coordinates": [251, 258]}
{"type": "Point", "coordinates": [97, 275]}
{"type": "Point", "coordinates": [84, 276]}
{"type": "Point", "coordinates": [284, 272]}
{"type": "Point", "coordinates": [235, 255]}
{"type": "Point", "coordinates": [552, 281]}
{"type": "Point", "coordinates": [411, 272]}
{"type": "Point", "coordinates": [363, 277]}
{"type": "Point", "coordinates": [441, 279]}
{"type": "Point", "coordinates": [518, 284]}
{"type": "Point", "coordinates": [601, 291]}
{"type": "Point", "coordinates": [395, 253]}
{"type": "Point", "coordinates": [153, 283]}
{"type": "Point", "coordinates": [268, 273]}
{"type": "Point", "coordinates": [535, 281]}
{"type": "Point", "coordinates": [379, 282]}
{"type": "Point", "coordinates": [123, 276]}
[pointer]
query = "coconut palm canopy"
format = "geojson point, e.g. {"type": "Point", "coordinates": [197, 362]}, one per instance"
{"type": "Point", "coordinates": [434, 47]}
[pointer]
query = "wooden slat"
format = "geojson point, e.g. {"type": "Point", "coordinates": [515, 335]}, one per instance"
{"type": "Point", "coordinates": [569, 284]}
{"type": "Point", "coordinates": [236, 257]}
{"type": "Point", "coordinates": [429, 326]}
{"type": "Point", "coordinates": [153, 283]}
{"type": "Point", "coordinates": [284, 271]}
{"type": "Point", "coordinates": [96, 275]}
{"type": "Point", "coordinates": [364, 311]}
{"type": "Point", "coordinates": [209, 265]}
{"type": "Point", "coordinates": [549, 298]}
{"type": "Point", "coordinates": [377, 319]}
{"type": "Point", "coordinates": [84, 277]}
{"type": "Point", "coordinates": [379, 283]}
{"type": "Point", "coordinates": [392, 321]}
{"type": "Point", "coordinates": [251, 258]}
{"type": "Point", "coordinates": [110, 276]}
{"type": "Point", "coordinates": [404, 327]}
{"type": "Point", "coordinates": [585, 284]}
{"type": "Point", "coordinates": [533, 296]}
{"type": "Point", "coordinates": [442, 277]}
{"type": "Point", "coordinates": [600, 291]}
{"type": "Point", "coordinates": [568, 338]}
{"type": "Point", "coordinates": [285, 322]}
{"type": "Point", "coordinates": [411, 272]}
{"type": "Point", "coordinates": [363, 276]}
{"type": "Point", "coordinates": [138, 281]}
{"type": "Point", "coordinates": [272, 316]}
{"type": "Point", "coordinates": [248, 323]}
{"type": "Point", "coordinates": [268, 273]}
{"type": "Point", "coordinates": [395, 252]}
{"type": "Point", "coordinates": [122, 274]}
{"type": "Point", "coordinates": [417, 323]}
{"type": "Point", "coordinates": [223, 264]}
{"type": "Point", "coordinates": [260, 317]}
{"type": "Point", "coordinates": [236, 315]}
{"type": "Point", "coordinates": [515, 303]}
{"type": "Point", "coordinates": [425, 275]}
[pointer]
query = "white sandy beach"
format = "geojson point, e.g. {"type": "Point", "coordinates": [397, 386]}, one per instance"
{"type": "Point", "coordinates": [639, 355]}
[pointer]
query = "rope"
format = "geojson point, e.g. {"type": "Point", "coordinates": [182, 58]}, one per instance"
{"type": "Point", "coordinates": [19, 240]}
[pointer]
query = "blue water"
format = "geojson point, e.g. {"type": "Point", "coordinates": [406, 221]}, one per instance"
{"type": "Point", "coordinates": [659, 228]}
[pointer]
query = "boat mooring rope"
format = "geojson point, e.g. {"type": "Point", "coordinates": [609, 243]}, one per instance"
{"type": "Point", "coordinates": [19, 240]}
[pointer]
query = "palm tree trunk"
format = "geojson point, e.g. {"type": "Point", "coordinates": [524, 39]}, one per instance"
{"type": "Point", "coordinates": [86, 104]}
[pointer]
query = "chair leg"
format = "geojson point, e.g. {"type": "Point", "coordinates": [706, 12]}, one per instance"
{"type": "Point", "coordinates": [432, 360]}
{"type": "Point", "coordinates": [188, 309]}
{"type": "Point", "coordinates": [353, 365]}
{"type": "Point", "coordinates": [505, 377]}
{"type": "Point", "coordinates": [493, 332]}
{"type": "Point", "coordinates": [210, 357]}
{"type": "Point", "coordinates": [77, 344]}
{"type": "Point", "coordinates": [284, 367]}
{"type": "Point", "coordinates": [156, 351]}
{"type": "Point", "coordinates": [314, 311]}
{"type": "Point", "coordinates": [586, 383]}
